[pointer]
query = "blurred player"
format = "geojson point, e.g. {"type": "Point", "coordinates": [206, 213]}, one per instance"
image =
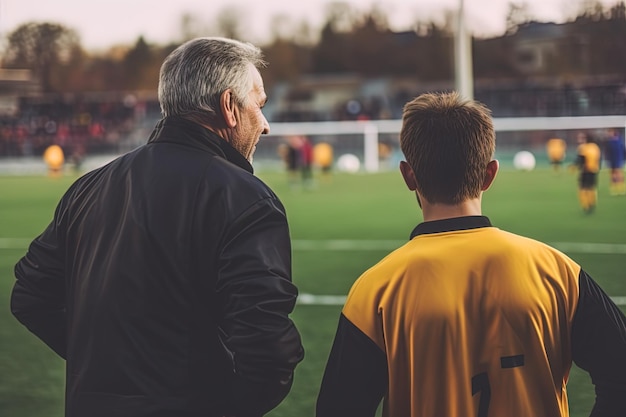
{"type": "Point", "coordinates": [384, 154]}
{"type": "Point", "coordinates": [467, 319]}
{"type": "Point", "coordinates": [292, 159]}
{"type": "Point", "coordinates": [588, 163]}
{"type": "Point", "coordinates": [615, 153]}
{"type": "Point", "coordinates": [556, 148]}
{"type": "Point", "coordinates": [306, 161]}
{"type": "Point", "coordinates": [323, 157]}
{"type": "Point", "coordinates": [54, 159]}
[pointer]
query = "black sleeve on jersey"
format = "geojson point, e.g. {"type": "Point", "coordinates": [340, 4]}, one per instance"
{"type": "Point", "coordinates": [599, 347]}
{"type": "Point", "coordinates": [355, 378]}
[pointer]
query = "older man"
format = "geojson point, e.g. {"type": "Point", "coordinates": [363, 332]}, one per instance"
{"type": "Point", "coordinates": [164, 278]}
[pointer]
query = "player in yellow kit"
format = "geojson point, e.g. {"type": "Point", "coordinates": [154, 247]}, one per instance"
{"type": "Point", "coordinates": [54, 159]}
{"type": "Point", "coordinates": [588, 159]}
{"type": "Point", "coordinates": [555, 148]}
{"type": "Point", "coordinates": [466, 319]}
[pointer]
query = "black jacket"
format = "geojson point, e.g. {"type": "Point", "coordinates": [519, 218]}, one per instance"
{"type": "Point", "coordinates": [164, 280]}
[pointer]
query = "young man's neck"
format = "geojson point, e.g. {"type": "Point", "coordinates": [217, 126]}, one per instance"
{"type": "Point", "coordinates": [433, 212]}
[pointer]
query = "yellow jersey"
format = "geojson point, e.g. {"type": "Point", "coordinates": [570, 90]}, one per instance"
{"type": "Point", "coordinates": [555, 148]}
{"type": "Point", "coordinates": [465, 320]}
{"type": "Point", "coordinates": [589, 156]}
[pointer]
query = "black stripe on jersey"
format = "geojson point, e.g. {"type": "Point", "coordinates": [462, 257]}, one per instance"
{"type": "Point", "coordinates": [355, 379]}
{"type": "Point", "coordinates": [599, 346]}
{"type": "Point", "coordinates": [511, 361]}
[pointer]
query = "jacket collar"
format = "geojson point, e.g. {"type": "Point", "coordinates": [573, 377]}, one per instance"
{"type": "Point", "coordinates": [175, 129]}
{"type": "Point", "coordinates": [450, 225]}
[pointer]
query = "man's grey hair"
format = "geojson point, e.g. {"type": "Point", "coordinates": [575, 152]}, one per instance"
{"type": "Point", "coordinates": [195, 74]}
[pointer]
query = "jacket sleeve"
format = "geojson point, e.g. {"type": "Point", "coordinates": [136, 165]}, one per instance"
{"type": "Point", "coordinates": [38, 296]}
{"type": "Point", "coordinates": [599, 347]}
{"type": "Point", "coordinates": [355, 379]}
{"type": "Point", "coordinates": [256, 296]}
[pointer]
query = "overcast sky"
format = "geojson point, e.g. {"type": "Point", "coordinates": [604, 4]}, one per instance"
{"type": "Point", "coordinates": [103, 23]}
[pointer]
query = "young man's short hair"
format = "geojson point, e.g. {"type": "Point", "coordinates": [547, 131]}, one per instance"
{"type": "Point", "coordinates": [448, 142]}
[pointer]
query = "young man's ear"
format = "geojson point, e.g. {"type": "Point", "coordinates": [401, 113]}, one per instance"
{"type": "Point", "coordinates": [228, 108]}
{"type": "Point", "coordinates": [490, 174]}
{"type": "Point", "coordinates": [408, 175]}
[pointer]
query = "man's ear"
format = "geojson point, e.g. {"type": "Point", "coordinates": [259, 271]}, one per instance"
{"type": "Point", "coordinates": [408, 175]}
{"type": "Point", "coordinates": [490, 174]}
{"type": "Point", "coordinates": [228, 108]}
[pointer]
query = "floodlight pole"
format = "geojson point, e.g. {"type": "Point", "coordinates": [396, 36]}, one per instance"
{"type": "Point", "coordinates": [464, 78]}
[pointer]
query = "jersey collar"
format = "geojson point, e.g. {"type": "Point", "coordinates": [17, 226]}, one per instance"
{"type": "Point", "coordinates": [450, 225]}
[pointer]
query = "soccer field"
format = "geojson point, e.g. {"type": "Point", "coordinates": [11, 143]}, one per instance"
{"type": "Point", "coordinates": [340, 228]}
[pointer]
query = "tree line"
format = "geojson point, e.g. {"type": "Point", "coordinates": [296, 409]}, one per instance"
{"type": "Point", "coordinates": [349, 42]}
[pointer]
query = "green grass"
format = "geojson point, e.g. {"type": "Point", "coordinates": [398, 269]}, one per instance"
{"type": "Point", "coordinates": [540, 204]}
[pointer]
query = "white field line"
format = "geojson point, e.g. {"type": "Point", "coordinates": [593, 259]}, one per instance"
{"type": "Point", "coordinates": [339, 300]}
{"type": "Point", "coordinates": [380, 245]}
{"type": "Point", "coordinates": [346, 245]}
{"type": "Point", "coordinates": [321, 300]}
{"type": "Point", "coordinates": [601, 248]}
{"type": "Point", "coordinates": [14, 243]}
{"type": "Point", "coordinates": [363, 245]}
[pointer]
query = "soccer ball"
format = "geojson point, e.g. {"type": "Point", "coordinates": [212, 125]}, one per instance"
{"type": "Point", "coordinates": [524, 161]}
{"type": "Point", "coordinates": [348, 163]}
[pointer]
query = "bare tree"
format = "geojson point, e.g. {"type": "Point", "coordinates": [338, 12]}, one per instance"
{"type": "Point", "coordinates": [304, 34]}
{"type": "Point", "coordinates": [591, 9]}
{"type": "Point", "coordinates": [618, 11]}
{"type": "Point", "coordinates": [191, 27]}
{"type": "Point", "coordinates": [517, 15]}
{"type": "Point", "coordinates": [230, 22]}
{"type": "Point", "coordinates": [42, 48]}
{"type": "Point", "coordinates": [341, 16]}
{"type": "Point", "coordinates": [280, 27]}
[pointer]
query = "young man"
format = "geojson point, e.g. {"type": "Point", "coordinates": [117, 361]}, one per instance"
{"type": "Point", "coordinates": [467, 320]}
{"type": "Point", "coordinates": [164, 279]}
{"type": "Point", "coordinates": [588, 158]}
